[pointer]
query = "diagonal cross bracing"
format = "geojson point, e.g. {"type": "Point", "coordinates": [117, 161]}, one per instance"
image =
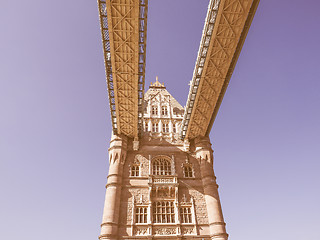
{"type": "Point", "coordinates": [225, 30]}
{"type": "Point", "coordinates": [123, 27]}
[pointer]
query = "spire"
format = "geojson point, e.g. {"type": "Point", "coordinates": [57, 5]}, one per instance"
{"type": "Point", "coordinates": [157, 84]}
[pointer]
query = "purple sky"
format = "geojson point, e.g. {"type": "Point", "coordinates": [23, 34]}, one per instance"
{"type": "Point", "coordinates": [55, 129]}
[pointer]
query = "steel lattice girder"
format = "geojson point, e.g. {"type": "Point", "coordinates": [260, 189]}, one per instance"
{"type": "Point", "coordinates": [227, 24]}
{"type": "Point", "coordinates": [123, 27]}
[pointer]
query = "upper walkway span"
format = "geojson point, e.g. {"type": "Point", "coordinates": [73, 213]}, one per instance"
{"type": "Point", "coordinates": [123, 28]}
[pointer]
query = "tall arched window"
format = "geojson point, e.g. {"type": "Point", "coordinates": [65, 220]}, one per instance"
{"type": "Point", "coordinates": [188, 170]}
{"type": "Point", "coordinates": [161, 166]}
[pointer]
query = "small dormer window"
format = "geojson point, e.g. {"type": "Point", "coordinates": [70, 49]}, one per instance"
{"type": "Point", "coordinates": [154, 110]}
{"type": "Point", "coordinates": [164, 111]}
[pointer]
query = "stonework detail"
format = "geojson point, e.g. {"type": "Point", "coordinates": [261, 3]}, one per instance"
{"type": "Point", "coordinates": [200, 205]}
{"type": "Point", "coordinates": [144, 164]}
{"type": "Point", "coordinates": [187, 230]}
{"type": "Point", "coordinates": [139, 194]}
{"type": "Point", "coordinates": [164, 230]}
{"type": "Point", "coordinates": [163, 180]}
{"type": "Point", "coordinates": [140, 231]}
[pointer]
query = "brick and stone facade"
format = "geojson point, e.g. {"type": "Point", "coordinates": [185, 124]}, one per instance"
{"type": "Point", "coordinates": [165, 188]}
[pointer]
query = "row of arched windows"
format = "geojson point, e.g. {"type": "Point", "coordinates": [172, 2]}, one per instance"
{"type": "Point", "coordinates": [161, 166]}
{"type": "Point", "coordinates": [164, 110]}
{"type": "Point", "coordinates": [155, 127]}
{"type": "Point", "coordinates": [163, 212]}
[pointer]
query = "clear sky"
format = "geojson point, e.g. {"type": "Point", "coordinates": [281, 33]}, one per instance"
{"type": "Point", "coordinates": [55, 127]}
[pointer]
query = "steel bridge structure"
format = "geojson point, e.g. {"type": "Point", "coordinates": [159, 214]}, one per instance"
{"type": "Point", "coordinates": [124, 32]}
{"type": "Point", "coordinates": [123, 26]}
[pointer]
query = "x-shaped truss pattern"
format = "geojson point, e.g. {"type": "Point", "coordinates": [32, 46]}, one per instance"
{"type": "Point", "coordinates": [227, 24]}
{"type": "Point", "coordinates": [123, 27]}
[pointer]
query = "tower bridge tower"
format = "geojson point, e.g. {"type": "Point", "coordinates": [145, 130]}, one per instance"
{"type": "Point", "coordinates": [160, 186]}
{"type": "Point", "coordinates": [166, 189]}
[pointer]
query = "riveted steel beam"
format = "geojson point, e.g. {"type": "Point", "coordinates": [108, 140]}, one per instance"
{"type": "Point", "coordinates": [124, 30]}
{"type": "Point", "coordinates": [226, 26]}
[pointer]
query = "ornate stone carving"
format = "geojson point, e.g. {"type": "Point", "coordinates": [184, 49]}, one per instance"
{"type": "Point", "coordinates": [165, 230]}
{"type": "Point", "coordinates": [188, 230]}
{"type": "Point", "coordinates": [163, 180]}
{"type": "Point", "coordinates": [140, 231]}
{"type": "Point", "coordinates": [163, 192]}
{"type": "Point", "coordinates": [136, 159]}
{"type": "Point", "coordinates": [200, 205]}
{"type": "Point", "coordinates": [144, 164]}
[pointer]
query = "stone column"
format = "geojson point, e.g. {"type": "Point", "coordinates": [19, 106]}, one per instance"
{"type": "Point", "coordinates": [204, 155]}
{"type": "Point", "coordinates": [110, 220]}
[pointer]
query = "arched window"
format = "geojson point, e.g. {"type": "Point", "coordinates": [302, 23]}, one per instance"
{"type": "Point", "coordinates": [188, 170]}
{"type": "Point", "coordinates": [161, 166]}
{"type": "Point", "coordinates": [135, 169]}
{"type": "Point", "coordinates": [185, 214]}
{"type": "Point", "coordinates": [141, 214]}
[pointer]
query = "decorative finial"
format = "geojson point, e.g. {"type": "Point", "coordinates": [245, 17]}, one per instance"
{"type": "Point", "coordinates": [157, 84]}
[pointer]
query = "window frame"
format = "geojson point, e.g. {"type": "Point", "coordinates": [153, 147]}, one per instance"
{"type": "Point", "coordinates": [165, 127]}
{"type": "Point", "coordinates": [154, 110]}
{"type": "Point", "coordinates": [186, 214]}
{"type": "Point", "coordinates": [162, 166]}
{"type": "Point", "coordinates": [134, 169]}
{"type": "Point", "coordinates": [155, 127]}
{"type": "Point", "coordinates": [188, 170]}
{"type": "Point", "coordinates": [164, 111]}
{"type": "Point", "coordinates": [141, 217]}
{"type": "Point", "coordinates": [163, 212]}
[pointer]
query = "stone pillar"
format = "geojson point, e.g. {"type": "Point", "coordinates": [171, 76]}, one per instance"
{"type": "Point", "coordinates": [110, 220]}
{"type": "Point", "coordinates": [204, 155]}
{"type": "Point", "coordinates": [160, 127]}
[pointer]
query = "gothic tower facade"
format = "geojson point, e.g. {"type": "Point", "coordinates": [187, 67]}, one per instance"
{"type": "Point", "coordinates": [161, 187]}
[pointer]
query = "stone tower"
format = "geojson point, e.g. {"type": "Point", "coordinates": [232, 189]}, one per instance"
{"type": "Point", "coordinates": [161, 187]}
